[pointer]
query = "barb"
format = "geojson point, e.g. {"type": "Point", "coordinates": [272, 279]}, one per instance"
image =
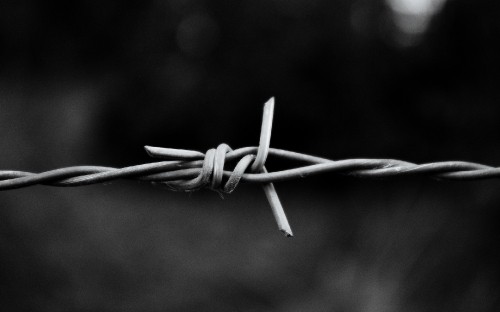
{"type": "Point", "coordinates": [187, 170]}
{"type": "Point", "coordinates": [258, 166]}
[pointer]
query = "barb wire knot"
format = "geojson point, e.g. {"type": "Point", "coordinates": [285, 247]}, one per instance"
{"type": "Point", "coordinates": [212, 169]}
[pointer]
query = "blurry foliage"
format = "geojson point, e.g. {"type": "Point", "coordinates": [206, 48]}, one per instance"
{"type": "Point", "coordinates": [93, 81]}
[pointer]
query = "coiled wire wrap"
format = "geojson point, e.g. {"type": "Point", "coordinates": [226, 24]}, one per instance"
{"type": "Point", "coordinates": [193, 170]}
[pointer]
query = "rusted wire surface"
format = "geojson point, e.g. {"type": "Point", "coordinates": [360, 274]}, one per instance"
{"type": "Point", "coordinates": [190, 165]}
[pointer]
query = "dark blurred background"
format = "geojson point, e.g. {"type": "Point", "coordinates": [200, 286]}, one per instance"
{"type": "Point", "coordinates": [91, 82]}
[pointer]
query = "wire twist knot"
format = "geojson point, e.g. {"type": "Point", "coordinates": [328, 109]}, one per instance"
{"type": "Point", "coordinates": [212, 171]}
{"type": "Point", "coordinates": [212, 168]}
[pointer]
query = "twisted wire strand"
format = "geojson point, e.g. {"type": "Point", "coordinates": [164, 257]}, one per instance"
{"type": "Point", "coordinates": [192, 170]}
{"type": "Point", "coordinates": [186, 170]}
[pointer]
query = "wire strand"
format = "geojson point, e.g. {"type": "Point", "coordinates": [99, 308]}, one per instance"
{"type": "Point", "coordinates": [177, 170]}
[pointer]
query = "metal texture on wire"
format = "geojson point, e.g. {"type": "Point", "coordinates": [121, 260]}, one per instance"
{"type": "Point", "coordinates": [188, 170]}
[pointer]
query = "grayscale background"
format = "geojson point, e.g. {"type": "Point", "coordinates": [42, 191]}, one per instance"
{"type": "Point", "coordinates": [92, 82]}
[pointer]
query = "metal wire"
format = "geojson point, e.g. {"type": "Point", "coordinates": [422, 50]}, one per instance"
{"type": "Point", "coordinates": [191, 170]}
{"type": "Point", "coordinates": [190, 165]}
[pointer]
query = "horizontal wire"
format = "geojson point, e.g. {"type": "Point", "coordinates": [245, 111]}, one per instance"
{"type": "Point", "coordinates": [190, 167]}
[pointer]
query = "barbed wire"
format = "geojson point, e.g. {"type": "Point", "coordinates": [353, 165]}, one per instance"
{"type": "Point", "coordinates": [182, 170]}
{"type": "Point", "coordinates": [188, 170]}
